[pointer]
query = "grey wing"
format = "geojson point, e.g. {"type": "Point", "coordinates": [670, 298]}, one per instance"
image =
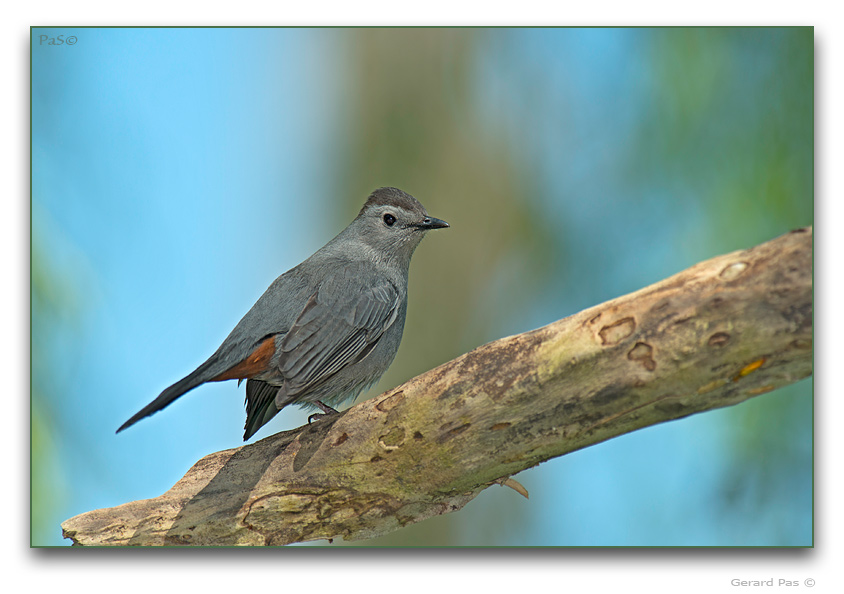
{"type": "Point", "coordinates": [335, 329]}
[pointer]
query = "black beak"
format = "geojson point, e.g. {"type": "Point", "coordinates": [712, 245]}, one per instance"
{"type": "Point", "coordinates": [432, 223]}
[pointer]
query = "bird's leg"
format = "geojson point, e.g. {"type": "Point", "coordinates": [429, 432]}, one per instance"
{"type": "Point", "coordinates": [326, 410]}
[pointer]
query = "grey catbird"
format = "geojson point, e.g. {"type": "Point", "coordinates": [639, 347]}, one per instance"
{"type": "Point", "coordinates": [327, 329]}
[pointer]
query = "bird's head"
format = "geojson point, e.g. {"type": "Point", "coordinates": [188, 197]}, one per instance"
{"type": "Point", "coordinates": [393, 222]}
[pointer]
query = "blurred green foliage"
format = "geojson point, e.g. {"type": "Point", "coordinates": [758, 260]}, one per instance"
{"type": "Point", "coordinates": [573, 165]}
{"type": "Point", "coordinates": [411, 122]}
{"type": "Point", "coordinates": [735, 122]}
{"type": "Point", "coordinates": [721, 149]}
{"type": "Point", "coordinates": [52, 303]}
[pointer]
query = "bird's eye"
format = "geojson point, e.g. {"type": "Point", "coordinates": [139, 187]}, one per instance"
{"type": "Point", "coordinates": [389, 219]}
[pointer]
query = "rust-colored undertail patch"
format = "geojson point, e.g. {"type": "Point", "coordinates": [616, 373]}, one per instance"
{"type": "Point", "coordinates": [257, 362]}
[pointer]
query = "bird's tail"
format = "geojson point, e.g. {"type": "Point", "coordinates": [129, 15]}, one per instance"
{"type": "Point", "coordinates": [199, 376]}
{"type": "Point", "coordinates": [260, 406]}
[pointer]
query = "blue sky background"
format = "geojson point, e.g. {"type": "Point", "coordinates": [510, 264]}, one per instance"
{"type": "Point", "coordinates": [160, 159]}
{"type": "Point", "coordinates": [177, 172]}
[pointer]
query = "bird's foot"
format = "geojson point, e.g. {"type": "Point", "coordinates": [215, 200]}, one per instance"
{"type": "Point", "coordinates": [326, 411]}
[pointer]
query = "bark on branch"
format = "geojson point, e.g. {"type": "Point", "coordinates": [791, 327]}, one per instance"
{"type": "Point", "coordinates": [723, 331]}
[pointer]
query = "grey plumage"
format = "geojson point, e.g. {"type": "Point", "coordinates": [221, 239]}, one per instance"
{"type": "Point", "coordinates": [330, 327]}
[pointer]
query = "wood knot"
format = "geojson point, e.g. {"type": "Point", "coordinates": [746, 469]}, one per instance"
{"type": "Point", "coordinates": [617, 331]}
{"type": "Point", "coordinates": [718, 339]}
{"type": "Point", "coordinates": [390, 402]}
{"type": "Point", "coordinates": [450, 430]}
{"type": "Point", "coordinates": [392, 439]}
{"type": "Point", "coordinates": [643, 353]}
{"type": "Point", "coordinates": [734, 270]}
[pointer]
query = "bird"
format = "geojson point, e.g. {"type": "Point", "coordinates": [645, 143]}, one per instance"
{"type": "Point", "coordinates": [327, 329]}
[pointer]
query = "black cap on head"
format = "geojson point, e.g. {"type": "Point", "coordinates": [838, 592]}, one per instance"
{"type": "Point", "coordinates": [391, 197]}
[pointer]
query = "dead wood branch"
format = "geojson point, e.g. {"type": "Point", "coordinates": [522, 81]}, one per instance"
{"type": "Point", "coordinates": [723, 331]}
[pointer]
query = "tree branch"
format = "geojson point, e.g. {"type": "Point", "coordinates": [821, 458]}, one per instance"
{"type": "Point", "coordinates": [721, 332]}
